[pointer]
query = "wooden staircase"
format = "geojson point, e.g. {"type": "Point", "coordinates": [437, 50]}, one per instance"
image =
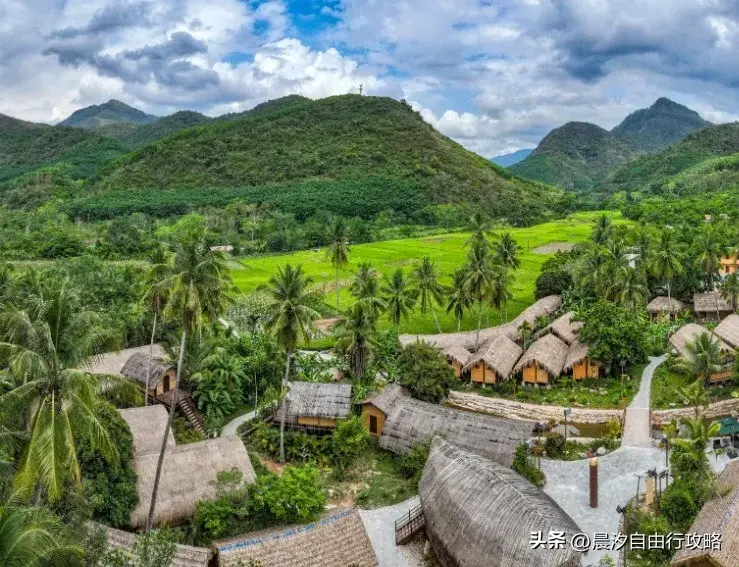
{"type": "Point", "coordinates": [186, 406]}
{"type": "Point", "coordinates": [409, 525]}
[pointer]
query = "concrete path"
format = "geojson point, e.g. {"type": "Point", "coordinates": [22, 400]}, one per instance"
{"type": "Point", "coordinates": [380, 526]}
{"type": "Point", "coordinates": [637, 428]}
{"type": "Point", "coordinates": [232, 426]}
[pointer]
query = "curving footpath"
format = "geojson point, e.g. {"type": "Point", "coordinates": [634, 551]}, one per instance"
{"type": "Point", "coordinates": [232, 426]}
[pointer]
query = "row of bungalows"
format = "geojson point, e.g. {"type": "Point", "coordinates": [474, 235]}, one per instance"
{"type": "Point", "coordinates": [687, 334]}
{"type": "Point", "coordinates": [707, 306]}
{"type": "Point", "coordinates": [557, 350]}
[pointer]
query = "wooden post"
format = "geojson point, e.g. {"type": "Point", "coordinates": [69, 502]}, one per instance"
{"type": "Point", "coordinates": [594, 482]}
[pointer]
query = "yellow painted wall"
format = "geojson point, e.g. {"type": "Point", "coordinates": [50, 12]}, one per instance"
{"type": "Point", "coordinates": [367, 411]}
{"type": "Point", "coordinates": [477, 372]}
{"type": "Point", "coordinates": [172, 373]}
{"type": "Point", "coordinates": [722, 376]}
{"type": "Point", "coordinates": [529, 374]}
{"type": "Point", "coordinates": [316, 421]}
{"type": "Point", "coordinates": [534, 374]}
{"type": "Point", "coordinates": [585, 369]}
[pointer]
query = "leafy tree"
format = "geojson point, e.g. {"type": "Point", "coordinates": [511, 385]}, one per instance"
{"type": "Point", "coordinates": [349, 439]}
{"type": "Point", "coordinates": [695, 396]}
{"type": "Point", "coordinates": [643, 247]}
{"type": "Point", "coordinates": [631, 288]}
{"type": "Point", "coordinates": [425, 372]}
{"type": "Point", "coordinates": [428, 288]}
{"type": "Point", "coordinates": [522, 465]}
{"type": "Point", "coordinates": [506, 250]}
{"type": "Point", "coordinates": [338, 251]}
{"type": "Point", "coordinates": [526, 330]}
{"type": "Point", "coordinates": [460, 298]}
{"type": "Point", "coordinates": [356, 337]}
{"type": "Point", "coordinates": [704, 357]}
{"type": "Point", "coordinates": [479, 226]}
{"type": "Point", "coordinates": [667, 261]}
{"type": "Point", "coordinates": [366, 288]}
{"type": "Point", "coordinates": [399, 296]}
{"type": "Point", "coordinates": [678, 506]}
{"type": "Point", "coordinates": [291, 320]}
{"type": "Point", "coordinates": [708, 260]}
{"type": "Point", "coordinates": [156, 299]}
{"type": "Point", "coordinates": [552, 282]}
{"type": "Point", "coordinates": [198, 284]}
{"type": "Point", "coordinates": [412, 463]}
{"type": "Point", "coordinates": [730, 290]}
{"type": "Point", "coordinates": [295, 497]}
{"type": "Point", "coordinates": [153, 549]}
{"type": "Point", "coordinates": [219, 386]}
{"type": "Point", "coordinates": [500, 289]}
{"type": "Point", "coordinates": [479, 275]}
{"type": "Point", "coordinates": [602, 229]}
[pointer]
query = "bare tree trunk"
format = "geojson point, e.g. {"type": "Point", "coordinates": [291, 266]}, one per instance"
{"type": "Point", "coordinates": [152, 507]}
{"type": "Point", "coordinates": [436, 319]}
{"type": "Point", "coordinates": [284, 408]}
{"type": "Point", "coordinates": [479, 324]}
{"type": "Point", "coordinates": [669, 300]}
{"type": "Point", "coordinates": [148, 362]}
{"type": "Point", "coordinates": [337, 290]}
{"type": "Point", "coordinates": [459, 324]}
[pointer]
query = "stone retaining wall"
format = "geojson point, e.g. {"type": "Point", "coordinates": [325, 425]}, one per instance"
{"type": "Point", "coordinates": [533, 412]}
{"type": "Point", "coordinates": [717, 409]}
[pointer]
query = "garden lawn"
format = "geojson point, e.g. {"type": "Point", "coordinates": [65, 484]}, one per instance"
{"type": "Point", "coordinates": [447, 250]}
{"type": "Point", "coordinates": [667, 384]}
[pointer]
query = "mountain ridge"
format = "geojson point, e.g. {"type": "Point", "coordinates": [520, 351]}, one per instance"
{"type": "Point", "coordinates": [110, 112]}
{"type": "Point", "coordinates": [512, 158]}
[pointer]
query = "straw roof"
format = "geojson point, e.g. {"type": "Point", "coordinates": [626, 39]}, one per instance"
{"type": "Point", "coordinates": [410, 422]}
{"type": "Point", "coordinates": [189, 471]}
{"type": "Point", "coordinates": [710, 302]}
{"type": "Point", "coordinates": [310, 399]}
{"type": "Point", "coordinates": [137, 364]}
{"type": "Point", "coordinates": [338, 540]}
{"type": "Point", "coordinates": [577, 353]}
{"type": "Point", "coordinates": [549, 352]}
{"type": "Point", "coordinates": [501, 355]}
{"type": "Point", "coordinates": [481, 514]}
{"type": "Point", "coordinates": [728, 330]}
{"type": "Point", "coordinates": [718, 516]}
{"type": "Point", "coordinates": [664, 304]}
{"type": "Point", "coordinates": [184, 555]}
{"type": "Point", "coordinates": [688, 333]}
{"type": "Point", "coordinates": [113, 362]}
{"type": "Point", "coordinates": [457, 353]}
{"type": "Point", "coordinates": [147, 425]}
{"type": "Point", "coordinates": [564, 328]}
{"type": "Point", "coordinates": [544, 306]}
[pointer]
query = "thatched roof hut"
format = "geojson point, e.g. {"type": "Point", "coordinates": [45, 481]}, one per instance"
{"type": "Point", "coordinates": [688, 333]}
{"type": "Point", "coordinates": [481, 514]}
{"type": "Point", "coordinates": [577, 353]}
{"type": "Point", "coordinates": [458, 354]}
{"type": "Point", "coordinates": [184, 555]}
{"type": "Point", "coordinates": [500, 355]}
{"type": "Point", "coordinates": [147, 425]}
{"type": "Point", "coordinates": [409, 422]}
{"type": "Point", "coordinates": [338, 540]}
{"type": "Point", "coordinates": [319, 404]}
{"type": "Point", "coordinates": [112, 363]}
{"type": "Point", "coordinates": [718, 516]}
{"type": "Point", "coordinates": [549, 352]}
{"type": "Point", "coordinates": [664, 304]}
{"type": "Point", "coordinates": [544, 306]}
{"type": "Point", "coordinates": [188, 473]}
{"type": "Point", "coordinates": [709, 303]}
{"type": "Point", "coordinates": [564, 328]}
{"type": "Point", "coordinates": [137, 364]}
{"type": "Point", "coordinates": [728, 330]}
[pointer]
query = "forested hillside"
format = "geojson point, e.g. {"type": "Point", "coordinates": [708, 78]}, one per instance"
{"type": "Point", "coordinates": [107, 114]}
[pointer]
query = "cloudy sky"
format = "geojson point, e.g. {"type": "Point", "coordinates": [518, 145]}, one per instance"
{"type": "Point", "coordinates": [496, 75]}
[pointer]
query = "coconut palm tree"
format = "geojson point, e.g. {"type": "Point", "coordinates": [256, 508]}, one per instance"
{"type": "Point", "coordinates": [643, 247]}
{"type": "Point", "coordinates": [695, 396]}
{"type": "Point", "coordinates": [399, 296]}
{"type": "Point", "coordinates": [338, 251]}
{"type": "Point", "coordinates": [730, 290]}
{"type": "Point", "coordinates": [291, 320]}
{"type": "Point", "coordinates": [704, 357]}
{"type": "Point", "coordinates": [155, 298]}
{"type": "Point", "coordinates": [479, 226]}
{"type": "Point", "coordinates": [501, 283]}
{"type": "Point", "coordinates": [33, 537]}
{"type": "Point", "coordinates": [428, 289]}
{"type": "Point", "coordinates": [198, 285]}
{"type": "Point", "coordinates": [667, 261]}
{"type": "Point", "coordinates": [590, 270]}
{"type": "Point", "coordinates": [479, 270]}
{"type": "Point", "coordinates": [700, 434]}
{"type": "Point", "coordinates": [366, 289]}
{"type": "Point", "coordinates": [602, 230]}
{"type": "Point", "coordinates": [43, 344]}
{"type": "Point", "coordinates": [709, 260]}
{"type": "Point", "coordinates": [526, 330]}
{"type": "Point", "coordinates": [506, 250]}
{"type": "Point", "coordinates": [460, 298]}
{"type": "Point", "coordinates": [356, 337]}
{"type": "Point", "coordinates": [631, 288]}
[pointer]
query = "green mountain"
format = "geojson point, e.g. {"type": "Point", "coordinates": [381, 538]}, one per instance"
{"type": "Point", "coordinates": [25, 146]}
{"type": "Point", "coordinates": [266, 106]}
{"type": "Point", "coordinates": [356, 155]}
{"type": "Point", "coordinates": [135, 135]}
{"type": "Point", "coordinates": [575, 156]}
{"type": "Point", "coordinates": [507, 160]}
{"type": "Point", "coordinates": [654, 128]}
{"type": "Point", "coordinates": [705, 158]}
{"type": "Point", "coordinates": [102, 115]}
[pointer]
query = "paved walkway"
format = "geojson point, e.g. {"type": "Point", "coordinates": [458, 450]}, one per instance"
{"type": "Point", "coordinates": [637, 428]}
{"type": "Point", "coordinates": [232, 426]}
{"type": "Point", "coordinates": [380, 526]}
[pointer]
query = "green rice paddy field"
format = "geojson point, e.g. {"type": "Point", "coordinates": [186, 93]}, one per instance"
{"type": "Point", "coordinates": [446, 250]}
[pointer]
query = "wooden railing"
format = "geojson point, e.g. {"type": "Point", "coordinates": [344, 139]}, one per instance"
{"type": "Point", "coordinates": [409, 525]}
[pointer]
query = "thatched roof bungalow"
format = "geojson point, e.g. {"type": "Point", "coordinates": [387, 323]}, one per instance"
{"type": "Point", "coordinates": [457, 356]}
{"type": "Point", "coordinates": [718, 516]}
{"type": "Point", "coordinates": [338, 540]}
{"type": "Point", "coordinates": [728, 330]}
{"type": "Point", "coordinates": [161, 373]}
{"type": "Point", "coordinates": [189, 471]}
{"type": "Point", "coordinates": [665, 305]}
{"type": "Point", "coordinates": [403, 422]}
{"type": "Point", "coordinates": [544, 361]}
{"type": "Point", "coordinates": [481, 514]}
{"type": "Point", "coordinates": [579, 363]}
{"type": "Point", "coordinates": [495, 363]}
{"type": "Point", "coordinates": [563, 328]}
{"type": "Point", "coordinates": [314, 405]}
{"type": "Point", "coordinates": [184, 555]}
{"type": "Point", "coordinates": [689, 333]}
{"type": "Point", "coordinates": [710, 306]}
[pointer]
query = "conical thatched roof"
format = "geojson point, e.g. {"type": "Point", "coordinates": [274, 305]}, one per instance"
{"type": "Point", "coordinates": [664, 304]}
{"type": "Point", "coordinates": [481, 514]}
{"type": "Point", "coordinates": [147, 425]}
{"type": "Point", "coordinates": [137, 364]}
{"type": "Point", "coordinates": [718, 516]}
{"type": "Point", "coordinates": [501, 354]}
{"type": "Point", "coordinates": [728, 330]}
{"type": "Point", "coordinates": [544, 306]}
{"type": "Point", "coordinates": [112, 362]}
{"type": "Point", "coordinates": [410, 422]}
{"type": "Point", "coordinates": [338, 540]}
{"type": "Point", "coordinates": [457, 354]}
{"type": "Point", "coordinates": [710, 302]}
{"type": "Point", "coordinates": [550, 352]}
{"type": "Point", "coordinates": [688, 333]}
{"type": "Point", "coordinates": [184, 555]}
{"type": "Point", "coordinates": [564, 328]}
{"type": "Point", "coordinates": [577, 353]}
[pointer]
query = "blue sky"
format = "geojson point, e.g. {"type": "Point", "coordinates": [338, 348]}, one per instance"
{"type": "Point", "coordinates": [496, 75]}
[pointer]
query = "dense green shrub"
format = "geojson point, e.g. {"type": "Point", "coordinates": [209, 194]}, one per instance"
{"type": "Point", "coordinates": [425, 372]}
{"type": "Point", "coordinates": [522, 465]}
{"type": "Point", "coordinates": [349, 439]}
{"type": "Point", "coordinates": [554, 444]}
{"type": "Point", "coordinates": [412, 463]}
{"type": "Point", "coordinates": [678, 505]}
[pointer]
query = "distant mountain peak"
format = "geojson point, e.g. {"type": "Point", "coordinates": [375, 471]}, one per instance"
{"type": "Point", "coordinates": [512, 158]}
{"type": "Point", "coordinates": [106, 114]}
